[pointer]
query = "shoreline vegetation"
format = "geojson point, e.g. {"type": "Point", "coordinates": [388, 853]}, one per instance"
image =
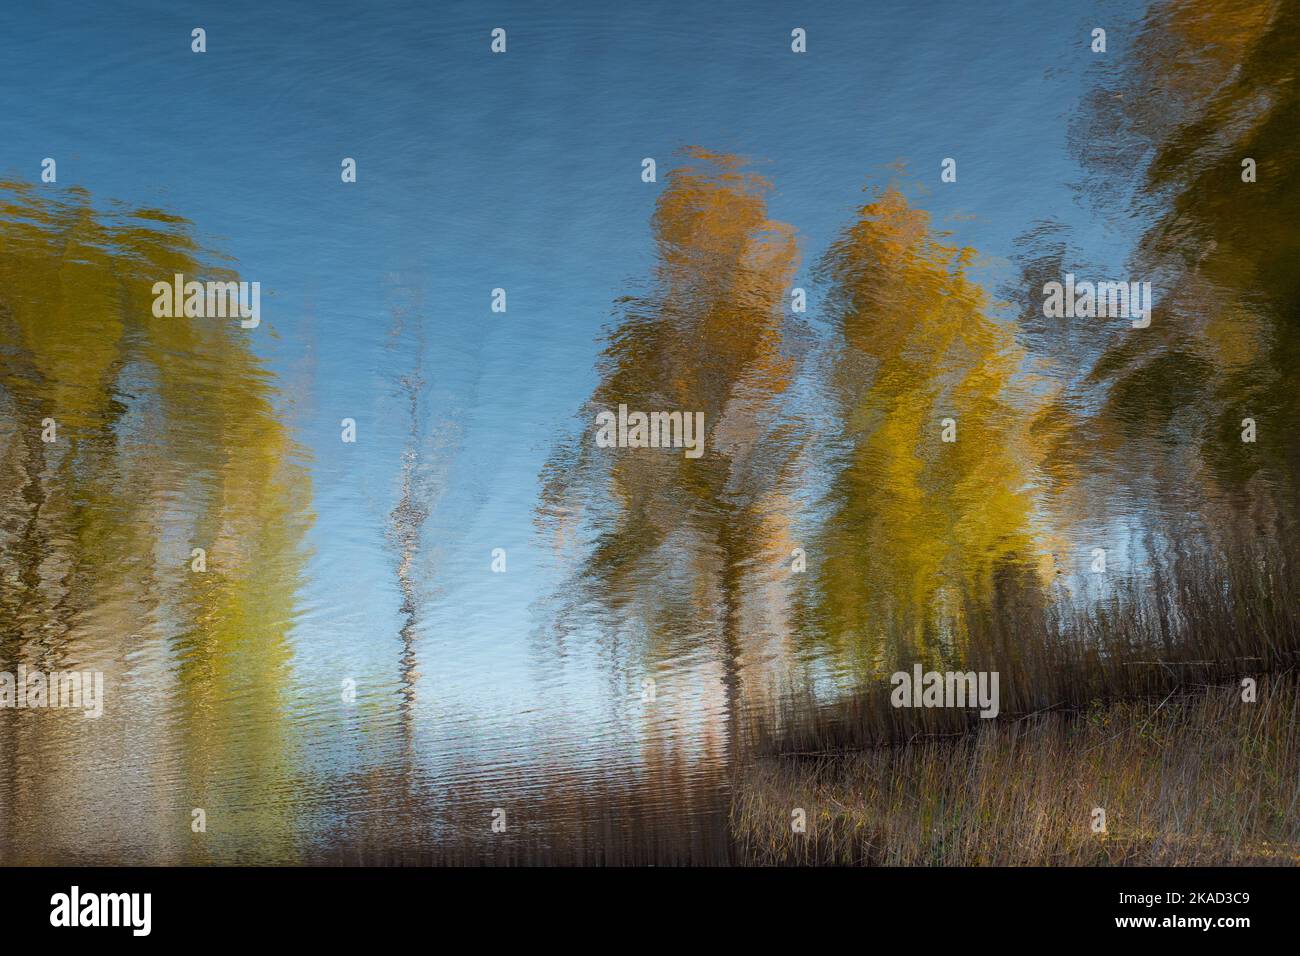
{"type": "Point", "coordinates": [1177, 713]}
{"type": "Point", "coordinates": [1197, 777]}
{"type": "Point", "coordinates": [1142, 710]}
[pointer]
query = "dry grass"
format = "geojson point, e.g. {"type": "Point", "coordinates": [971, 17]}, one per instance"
{"type": "Point", "coordinates": [1215, 619]}
{"type": "Point", "coordinates": [1199, 777]}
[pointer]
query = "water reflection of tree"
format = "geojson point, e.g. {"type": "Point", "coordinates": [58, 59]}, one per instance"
{"type": "Point", "coordinates": [1207, 86]}
{"type": "Point", "coordinates": [915, 529]}
{"type": "Point", "coordinates": [682, 542]}
{"type": "Point", "coordinates": [168, 440]}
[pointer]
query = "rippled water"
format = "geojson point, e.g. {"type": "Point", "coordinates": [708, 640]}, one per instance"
{"type": "Point", "coordinates": [359, 673]}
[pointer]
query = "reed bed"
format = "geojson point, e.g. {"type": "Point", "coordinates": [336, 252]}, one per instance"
{"type": "Point", "coordinates": [1198, 777]}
